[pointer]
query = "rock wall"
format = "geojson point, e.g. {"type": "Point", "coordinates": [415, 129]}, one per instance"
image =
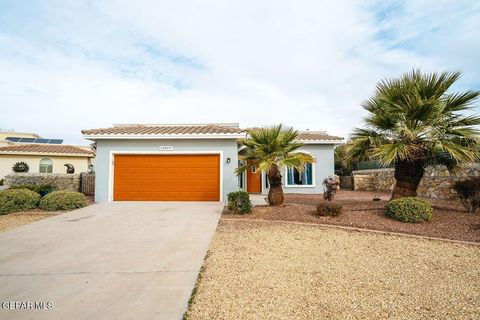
{"type": "Point", "coordinates": [59, 181]}
{"type": "Point", "coordinates": [437, 182]}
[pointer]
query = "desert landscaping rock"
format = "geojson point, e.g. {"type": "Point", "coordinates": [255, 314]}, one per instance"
{"type": "Point", "coordinates": [450, 220]}
{"type": "Point", "coordinates": [286, 271]}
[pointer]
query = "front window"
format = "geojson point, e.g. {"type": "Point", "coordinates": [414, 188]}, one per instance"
{"type": "Point", "coordinates": [297, 178]}
{"type": "Point", "coordinates": [241, 177]}
{"type": "Point", "coordinates": [46, 166]}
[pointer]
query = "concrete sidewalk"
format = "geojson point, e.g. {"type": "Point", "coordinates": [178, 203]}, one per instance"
{"type": "Point", "coordinates": [121, 260]}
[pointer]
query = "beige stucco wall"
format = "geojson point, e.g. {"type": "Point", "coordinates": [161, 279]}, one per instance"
{"type": "Point", "coordinates": [7, 162]}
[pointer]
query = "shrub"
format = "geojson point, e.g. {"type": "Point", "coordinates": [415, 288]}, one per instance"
{"type": "Point", "coordinates": [239, 202]}
{"type": "Point", "coordinates": [329, 208]}
{"type": "Point", "coordinates": [63, 200]}
{"type": "Point", "coordinates": [330, 186]}
{"type": "Point", "coordinates": [1, 182]}
{"type": "Point", "coordinates": [15, 200]}
{"type": "Point", "coordinates": [469, 193]}
{"type": "Point", "coordinates": [409, 209]}
{"type": "Point", "coordinates": [42, 189]}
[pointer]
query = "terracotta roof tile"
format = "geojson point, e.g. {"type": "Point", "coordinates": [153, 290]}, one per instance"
{"type": "Point", "coordinates": [316, 135]}
{"type": "Point", "coordinates": [45, 148]}
{"type": "Point", "coordinates": [164, 130]}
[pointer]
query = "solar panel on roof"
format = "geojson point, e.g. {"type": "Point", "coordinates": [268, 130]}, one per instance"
{"type": "Point", "coordinates": [34, 140]}
{"type": "Point", "coordinates": [13, 139]}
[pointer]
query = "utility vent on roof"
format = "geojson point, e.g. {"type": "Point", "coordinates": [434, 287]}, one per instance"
{"type": "Point", "coordinates": [34, 140]}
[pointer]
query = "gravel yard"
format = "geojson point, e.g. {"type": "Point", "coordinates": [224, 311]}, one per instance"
{"type": "Point", "coordinates": [275, 270]}
{"type": "Point", "coordinates": [450, 220]}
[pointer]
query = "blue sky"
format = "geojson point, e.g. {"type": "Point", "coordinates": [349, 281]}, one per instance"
{"type": "Point", "coordinates": [72, 65]}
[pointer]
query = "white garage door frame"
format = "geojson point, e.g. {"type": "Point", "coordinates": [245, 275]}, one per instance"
{"type": "Point", "coordinates": [112, 164]}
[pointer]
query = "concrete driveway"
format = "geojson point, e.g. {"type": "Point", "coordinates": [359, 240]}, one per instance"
{"type": "Point", "coordinates": [120, 260]}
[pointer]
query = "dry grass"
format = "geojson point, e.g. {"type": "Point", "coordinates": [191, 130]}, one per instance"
{"type": "Point", "coordinates": [269, 270]}
{"type": "Point", "coordinates": [15, 220]}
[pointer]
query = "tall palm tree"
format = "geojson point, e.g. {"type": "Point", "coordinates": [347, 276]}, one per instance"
{"type": "Point", "coordinates": [415, 122]}
{"type": "Point", "coordinates": [270, 149]}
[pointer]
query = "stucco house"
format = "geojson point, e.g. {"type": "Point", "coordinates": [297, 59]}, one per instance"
{"type": "Point", "coordinates": [41, 155]}
{"type": "Point", "coordinates": [193, 162]}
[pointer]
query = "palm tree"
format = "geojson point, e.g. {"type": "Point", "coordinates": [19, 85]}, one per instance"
{"type": "Point", "coordinates": [415, 122]}
{"type": "Point", "coordinates": [270, 149]}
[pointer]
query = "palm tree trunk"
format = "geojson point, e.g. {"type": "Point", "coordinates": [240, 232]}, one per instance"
{"type": "Point", "coordinates": [275, 194]}
{"type": "Point", "coordinates": [408, 175]}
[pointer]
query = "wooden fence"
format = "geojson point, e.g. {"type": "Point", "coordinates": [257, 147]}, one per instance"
{"type": "Point", "coordinates": [87, 184]}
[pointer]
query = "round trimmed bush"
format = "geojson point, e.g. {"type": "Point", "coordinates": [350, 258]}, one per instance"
{"type": "Point", "coordinates": [409, 209]}
{"type": "Point", "coordinates": [239, 202]}
{"type": "Point", "coordinates": [329, 208]}
{"type": "Point", "coordinates": [15, 200]}
{"type": "Point", "coordinates": [63, 200]}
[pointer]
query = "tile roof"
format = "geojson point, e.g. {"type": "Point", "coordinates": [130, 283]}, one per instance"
{"type": "Point", "coordinates": [316, 135]}
{"type": "Point", "coordinates": [193, 129]}
{"type": "Point", "coordinates": [45, 148]}
{"type": "Point", "coordinates": [165, 130]}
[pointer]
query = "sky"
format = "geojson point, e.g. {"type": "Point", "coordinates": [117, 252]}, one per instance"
{"type": "Point", "coordinates": [72, 65]}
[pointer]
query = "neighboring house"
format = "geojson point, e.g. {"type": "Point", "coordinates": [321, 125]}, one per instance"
{"type": "Point", "coordinates": [192, 163]}
{"type": "Point", "coordinates": [41, 155]}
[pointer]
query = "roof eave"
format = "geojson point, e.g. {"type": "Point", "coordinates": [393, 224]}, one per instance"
{"type": "Point", "coordinates": [28, 153]}
{"type": "Point", "coordinates": [321, 141]}
{"type": "Point", "coordinates": [165, 136]}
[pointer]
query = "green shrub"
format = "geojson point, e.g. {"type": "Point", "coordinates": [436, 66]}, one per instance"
{"type": "Point", "coordinates": [469, 193]}
{"type": "Point", "coordinates": [409, 209]}
{"type": "Point", "coordinates": [15, 200]}
{"type": "Point", "coordinates": [329, 208]}
{"type": "Point", "coordinates": [239, 202]}
{"type": "Point", "coordinates": [1, 182]}
{"type": "Point", "coordinates": [63, 200]}
{"type": "Point", "coordinates": [42, 189]}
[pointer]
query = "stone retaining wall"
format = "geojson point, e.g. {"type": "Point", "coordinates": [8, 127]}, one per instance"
{"type": "Point", "coordinates": [59, 181]}
{"type": "Point", "coordinates": [437, 182]}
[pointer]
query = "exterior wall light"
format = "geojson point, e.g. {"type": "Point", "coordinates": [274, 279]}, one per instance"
{"type": "Point", "coordinates": [228, 160]}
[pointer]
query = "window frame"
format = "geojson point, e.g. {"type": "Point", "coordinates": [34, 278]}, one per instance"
{"type": "Point", "coordinates": [49, 165]}
{"type": "Point", "coordinates": [300, 185]}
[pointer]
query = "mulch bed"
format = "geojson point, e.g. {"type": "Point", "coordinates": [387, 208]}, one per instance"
{"type": "Point", "coordinates": [450, 220]}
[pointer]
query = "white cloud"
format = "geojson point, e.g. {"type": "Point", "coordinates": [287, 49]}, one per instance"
{"type": "Point", "coordinates": [305, 63]}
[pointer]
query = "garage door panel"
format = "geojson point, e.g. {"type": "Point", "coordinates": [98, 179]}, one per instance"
{"type": "Point", "coordinates": [167, 177]}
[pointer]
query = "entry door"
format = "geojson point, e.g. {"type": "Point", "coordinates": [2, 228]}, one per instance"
{"type": "Point", "coordinates": [254, 180]}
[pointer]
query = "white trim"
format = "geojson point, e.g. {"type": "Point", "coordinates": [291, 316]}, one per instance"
{"type": "Point", "coordinates": [297, 185]}
{"type": "Point", "coordinates": [113, 153]}
{"type": "Point", "coordinates": [167, 136]}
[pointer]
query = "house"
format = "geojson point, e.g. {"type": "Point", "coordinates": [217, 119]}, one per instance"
{"type": "Point", "coordinates": [194, 162]}
{"type": "Point", "coordinates": [41, 155]}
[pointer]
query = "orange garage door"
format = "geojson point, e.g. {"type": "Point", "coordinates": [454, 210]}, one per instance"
{"type": "Point", "coordinates": [166, 178]}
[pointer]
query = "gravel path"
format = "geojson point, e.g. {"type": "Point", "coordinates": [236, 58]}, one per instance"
{"type": "Point", "coordinates": [271, 270]}
{"type": "Point", "coordinates": [15, 220]}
